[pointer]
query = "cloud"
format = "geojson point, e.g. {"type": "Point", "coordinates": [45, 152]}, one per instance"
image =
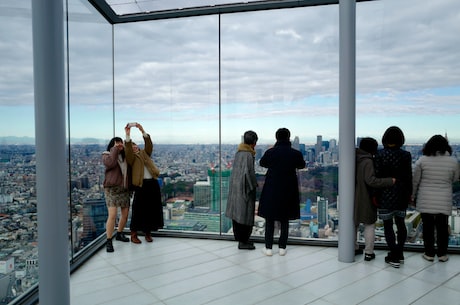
{"type": "Point", "coordinates": [276, 63]}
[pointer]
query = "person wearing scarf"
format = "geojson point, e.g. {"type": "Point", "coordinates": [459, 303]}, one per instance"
{"type": "Point", "coordinates": [242, 192]}
{"type": "Point", "coordinates": [147, 210]}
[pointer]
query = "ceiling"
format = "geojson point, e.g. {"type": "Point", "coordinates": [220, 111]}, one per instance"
{"type": "Point", "coordinates": [123, 11]}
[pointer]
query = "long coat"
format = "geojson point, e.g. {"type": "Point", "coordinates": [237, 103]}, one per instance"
{"type": "Point", "coordinates": [397, 163]}
{"type": "Point", "coordinates": [433, 178]}
{"type": "Point", "coordinates": [242, 189]}
{"type": "Point", "coordinates": [280, 199]}
{"type": "Point", "coordinates": [366, 181]}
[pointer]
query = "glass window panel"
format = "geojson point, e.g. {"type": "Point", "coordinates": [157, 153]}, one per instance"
{"type": "Point", "coordinates": [280, 71]}
{"type": "Point", "coordinates": [18, 194]}
{"type": "Point", "coordinates": [406, 75]}
{"type": "Point", "coordinates": [166, 78]}
{"type": "Point", "coordinates": [91, 125]}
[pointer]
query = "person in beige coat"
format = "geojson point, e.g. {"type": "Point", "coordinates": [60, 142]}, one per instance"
{"type": "Point", "coordinates": [433, 176]}
{"type": "Point", "coordinates": [147, 209]}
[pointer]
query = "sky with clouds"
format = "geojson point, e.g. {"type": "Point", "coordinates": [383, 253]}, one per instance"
{"type": "Point", "coordinates": [277, 69]}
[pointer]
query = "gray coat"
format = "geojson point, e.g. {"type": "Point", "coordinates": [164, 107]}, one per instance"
{"type": "Point", "coordinates": [242, 189]}
{"type": "Point", "coordinates": [366, 181]}
{"type": "Point", "coordinates": [432, 183]}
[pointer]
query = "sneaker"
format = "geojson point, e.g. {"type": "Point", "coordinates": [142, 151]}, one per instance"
{"type": "Point", "coordinates": [428, 258]}
{"type": "Point", "coordinates": [369, 256]}
{"type": "Point", "coordinates": [359, 251]}
{"type": "Point", "coordinates": [393, 262]}
{"type": "Point", "coordinates": [284, 251]}
{"type": "Point", "coordinates": [443, 258]}
{"type": "Point", "coordinates": [267, 252]}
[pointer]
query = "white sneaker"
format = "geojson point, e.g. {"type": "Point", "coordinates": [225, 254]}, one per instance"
{"type": "Point", "coordinates": [443, 258]}
{"type": "Point", "coordinates": [282, 252]}
{"type": "Point", "coordinates": [267, 252]}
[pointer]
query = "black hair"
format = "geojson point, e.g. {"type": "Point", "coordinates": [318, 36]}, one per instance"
{"type": "Point", "coordinates": [112, 144]}
{"type": "Point", "coordinates": [393, 137]}
{"type": "Point", "coordinates": [369, 145]}
{"type": "Point", "coordinates": [250, 137]}
{"type": "Point", "coordinates": [436, 143]}
{"type": "Point", "coordinates": [283, 134]}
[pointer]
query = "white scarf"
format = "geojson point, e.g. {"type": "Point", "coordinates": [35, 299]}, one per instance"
{"type": "Point", "coordinates": [124, 170]}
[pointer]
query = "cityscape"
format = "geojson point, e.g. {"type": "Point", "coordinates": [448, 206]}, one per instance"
{"type": "Point", "coordinates": [194, 184]}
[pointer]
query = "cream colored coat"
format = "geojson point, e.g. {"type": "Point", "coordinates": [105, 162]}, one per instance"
{"type": "Point", "coordinates": [432, 183]}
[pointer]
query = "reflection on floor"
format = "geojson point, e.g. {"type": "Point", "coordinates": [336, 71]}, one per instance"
{"type": "Point", "coordinates": [175, 271]}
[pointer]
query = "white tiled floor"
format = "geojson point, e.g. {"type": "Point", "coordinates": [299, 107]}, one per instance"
{"type": "Point", "coordinates": [175, 271]}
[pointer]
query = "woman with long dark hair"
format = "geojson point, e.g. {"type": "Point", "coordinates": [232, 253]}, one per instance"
{"type": "Point", "coordinates": [115, 189]}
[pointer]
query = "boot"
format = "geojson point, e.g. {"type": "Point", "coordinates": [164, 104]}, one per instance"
{"type": "Point", "coordinates": [134, 238]}
{"type": "Point", "coordinates": [109, 245]}
{"type": "Point", "coordinates": [121, 237]}
{"type": "Point", "coordinates": [148, 237]}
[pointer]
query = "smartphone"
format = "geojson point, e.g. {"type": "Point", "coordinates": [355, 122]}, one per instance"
{"type": "Point", "coordinates": [132, 124]}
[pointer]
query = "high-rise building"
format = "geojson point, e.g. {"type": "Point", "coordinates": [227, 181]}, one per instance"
{"type": "Point", "coordinates": [318, 146]}
{"type": "Point", "coordinates": [322, 211]}
{"type": "Point", "coordinates": [94, 219]}
{"type": "Point", "coordinates": [219, 182]}
{"type": "Point", "coordinates": [202, 194]}
{"type": "Point", "coordinates": [296, 143]}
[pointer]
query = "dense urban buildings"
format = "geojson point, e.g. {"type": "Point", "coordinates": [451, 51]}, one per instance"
{"type": "Point", "coordinates": [194, 183]}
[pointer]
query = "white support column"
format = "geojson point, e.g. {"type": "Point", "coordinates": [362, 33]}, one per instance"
{"type": "Point", "coordinates": [347, 105]}
{"type": "Point", "coordinates": [49, 95]}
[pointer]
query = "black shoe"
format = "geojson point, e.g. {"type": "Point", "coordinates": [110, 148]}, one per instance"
{"type": "Point", "coordinates": [368, 257]}
{"type": "Point", "coordinates": [394, 262]}
{"type": "Point", "coordinates": [121, 237]}
{"type": "Point", "coordinates": [109, 245]}
{"type": "Point", "coordinates": [359, 251]}
{"type": "Point", "coordinates": [246, 246]}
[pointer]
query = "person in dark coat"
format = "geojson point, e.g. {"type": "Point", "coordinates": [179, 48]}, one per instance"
{"type": "Point", "coordinates": [280, 200]}
{"type": "Point", "coordinates": [393, 161]}
{"type": "Point", "coordinates": [365, 211]}
{"type": "Point", "coordinates": [241, 202]}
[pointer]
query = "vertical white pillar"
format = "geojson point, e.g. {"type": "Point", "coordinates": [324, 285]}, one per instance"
{"type": "Point", "coordinates": [347, 105]}
{"type": "Point", "coordinates": [49, 95]}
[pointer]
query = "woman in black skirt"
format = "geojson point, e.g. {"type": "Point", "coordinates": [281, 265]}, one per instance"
{"type": "Point", "coordinates": [147, 209]}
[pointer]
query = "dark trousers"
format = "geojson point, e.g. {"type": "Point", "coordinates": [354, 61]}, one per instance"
{"type": "Point", "coordinates": [241, 232]}
{"type": "Point", "coordinates": [270, 230]}
{"type": "Point", "coordinates": [438, 223]}
{"type": "Point", "coordinates": [396, 248]}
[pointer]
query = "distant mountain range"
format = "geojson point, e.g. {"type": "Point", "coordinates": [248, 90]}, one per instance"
{"type": "Point", "coordinates": [31, 141]}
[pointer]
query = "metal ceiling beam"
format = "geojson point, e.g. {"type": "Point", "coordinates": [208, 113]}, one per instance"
{"type": "Point", "coordinates": [106, 11]}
